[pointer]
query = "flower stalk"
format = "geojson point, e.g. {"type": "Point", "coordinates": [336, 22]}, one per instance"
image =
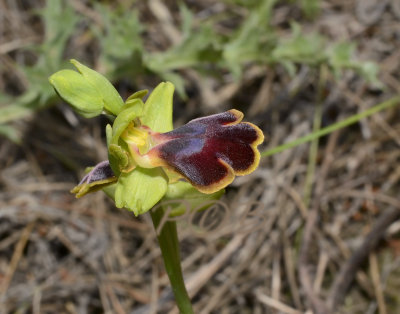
{"type": "Point", "coordinates": [169, 245]}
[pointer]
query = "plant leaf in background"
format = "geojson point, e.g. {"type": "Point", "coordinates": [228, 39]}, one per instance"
{"type": "Point", "coordinates": [252, 41]}
{"type": "Point", "coordinates": [119, 37]}
{"type": "Point", "coordinates": [310, 7]}
{"type": "Point", "coordinates": [202, 47]}
{"type": "Point", "coordinates": [341, 56]}
{"type": "Point", "coordinates": [298, 48]}
{"type": "Point", "coordinates": [11, 133]}
{"type": "Point", "coordinates": [60, 21]}
{"type": "Point", "coordinates": [192, 51]}
{"type": "Point", "coordinates": [198, 47]}
{"type": "Point", "coordinates": [18, 107]}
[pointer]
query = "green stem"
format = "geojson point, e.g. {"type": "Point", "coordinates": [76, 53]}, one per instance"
{"type": "Point", "coordinates": [169, 245]}
{"type": "Point", "coordinates": [313, 151]}
{"type": "Point", "coordinates": [329, 129]}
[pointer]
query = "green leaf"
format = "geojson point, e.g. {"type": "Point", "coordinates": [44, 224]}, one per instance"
{"type": "Point", "coordinates": [194, 51]}
{"type": "Point", "coordinates": [78, 92]}
{"type": "Point", "coordinates": [340, 56]}
{"type": "Point", "coordinates": [157, 113]}
{"type": "Point", "coordinates": [370, 70]}
{"type": "Point", "coordinates": [253, 39]}
{"type": "Point", "coordinates": [112, 100]}
{"type": "Point", "coordinates": [141, 189]}
{"type": "Point", "coordinates": [187, 19]}
{"type": "Point", "coordinates": [310, 7]}
{"type": "Point", "coordinates": [11, 133]}
{"type": "Point", "coordinates": [300, 48]}
{"type": "Point", "coordinates": [119, 37]}
{"type": "Point", "coordinates": [13, 112]}
{"type": "Point", "coordinates": [59, 20]}
{"type": "Point", "coordinates": [21, 106]}
{"type": "Point", "coordinates": [197, 47]}
{"type": "Point", "coordinates": [185, 191]}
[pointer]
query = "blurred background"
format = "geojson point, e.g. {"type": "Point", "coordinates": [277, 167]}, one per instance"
{"type": "Point", "coordinates": [319, 231]}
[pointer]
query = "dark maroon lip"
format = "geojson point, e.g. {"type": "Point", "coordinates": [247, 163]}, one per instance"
{"type": "Point", "coordinates": [207, 150]}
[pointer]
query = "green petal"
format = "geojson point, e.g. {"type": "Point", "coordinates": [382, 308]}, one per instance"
{"type": "Point", "coordinates": [108, 134]}
{"type": "Point", "coordinates": [137, 95]}
{"type": "Point", "coordinates": [112, 100]}
{"type": "Point", "coordinates": [110, 190]}
{"type": "Point", "coordinates": [119, 156]}
{"type": "Point", "coordinates": [129, 112]}
{"type": "Point", "coordinates": [141, 189]}
{"type": "Point", "coordinates": [157, 114]}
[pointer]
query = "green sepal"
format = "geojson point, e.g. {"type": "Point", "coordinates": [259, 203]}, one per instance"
{"type": "Point", "coordinates": [74, 89]}
{"type": "Point", "coordinates": [190, 196]}
{"type": "Point", "coordinates": [141, 189]}
{"type": "Point", "coordinates": [137, 95]}
{"type": "Point", "coordinates": [108, 134]}
{"type": "Point", "coordinates": [111, 99]}
{"type": "Point", "coordinates": [118, 152]}
{"type": "Point", "coordinates": [87, 91]}
{"type": "Point", "coordinates": [157, 113]}
{"type": "Point", "coordinates": [85, 188]}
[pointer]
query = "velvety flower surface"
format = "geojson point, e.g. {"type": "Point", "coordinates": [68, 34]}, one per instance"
{"type": "Point", "coordinates": [209, 151]}
{"type": "Point", "coordinates": [99, 176]}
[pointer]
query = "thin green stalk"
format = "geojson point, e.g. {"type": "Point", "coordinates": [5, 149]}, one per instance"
{"type": "Point", "coordinates": [313, 151]}
{"type": "Point", "coordinates": [169, 245]}
{"type": "Point", "coordinates": [329, 129]}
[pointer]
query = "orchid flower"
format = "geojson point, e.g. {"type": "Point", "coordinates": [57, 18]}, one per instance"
{"type": "Point", "coordinates": [146, 155]}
